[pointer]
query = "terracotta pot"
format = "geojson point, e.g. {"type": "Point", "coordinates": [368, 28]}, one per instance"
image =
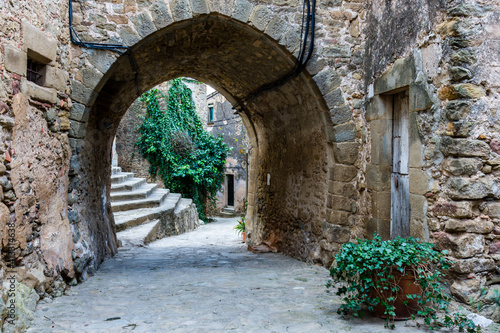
{"type": "Point", "coordinates": [244, 236]}
{"type": "Point", "coordinates": [407, 286]}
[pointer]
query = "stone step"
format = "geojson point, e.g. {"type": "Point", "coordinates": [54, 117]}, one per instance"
{"type": "Point", "coordinates": [183, 204]}
{"type": "Point", "coordinates": [128, 185]}
{"type": "Point", "coordinates": [140, 193]}
{"type": "Point", "coordinates": [154, 200]}
{"type": "Point", "coordinates": [128, 219]}
{"type": "Point", "coordinates": [115, 170]}
{"type": "Point", "coordinates": [229, 212]}
{"type": "Point", "coordinates": [121, 177]}
{"type": "Point", "coordinates": [139, 235]}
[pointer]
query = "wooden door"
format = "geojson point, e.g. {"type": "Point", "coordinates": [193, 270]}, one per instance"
{"type": "Point", "coordinates": [400, 183]}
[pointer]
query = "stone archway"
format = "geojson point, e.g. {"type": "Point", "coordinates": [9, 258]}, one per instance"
{"type": "Point", "coordinates": [290, 127]}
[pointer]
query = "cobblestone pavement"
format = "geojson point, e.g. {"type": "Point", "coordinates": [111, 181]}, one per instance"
{"type": "Point", "coordinates": [202, 281]}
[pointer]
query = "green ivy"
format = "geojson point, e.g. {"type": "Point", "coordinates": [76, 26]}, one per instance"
{"type": "Point", "coordinates": [189, 160]}
{"type": "Point", "coordinates": [366, 275]}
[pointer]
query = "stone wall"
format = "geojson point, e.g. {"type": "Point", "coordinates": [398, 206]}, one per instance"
{"type": "Point", "coordinates": [36, 225]}
{"type": "Point", "coordinates": [319, 173]}
{"type": "Point", "coordinates": [448, 68]}
{"type": "Point", "coordinates": [231, 128]}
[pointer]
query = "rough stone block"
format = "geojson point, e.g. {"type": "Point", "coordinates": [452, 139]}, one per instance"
{"type": "Point", "coordinates": [458, 73]}
{"type": "Point", "coordinates": [466, 8]}
{"type": "Point", "coordinates": [242, 10]}
{"type": "Point", "coordinates": [327, 80]}
{"type": "Point", "coordinates": [416, 158]}
{"type": "Point", "coordinates": [453, 209]}
{"type": "Point", "coordinates": [276, 28]}
{"type": "Point", "coordinates": [379, 226]}
{"type": "Point", "coordinates": [381, 205]}
{"type": "Point", "coordinates": [143, 24]}
{"type": "Point", "coordinates": [381, 141]}
{"type": "Point", "coordinates": [463, 57]}
{"type": "Point", "coordinates": [418, 204]}
{"type": "Point", "coordinates": [340, 114]}
{"type": "Point", "coordinates": [91, 77]}
{"type": "Point", "coordinates": [128, 35]}
{"type": "Point", "coordinates": [261, 16]}
{"type": "Point", "coordinates": [55, 78]}
{"type": "Point", "coordinates": [340, 51]}
{"type": "Point", "coordinates": [199, 7]}
{"type": "Point", "coordinates": [161, 14]}
{"type": "Point", "coordinates": [39, 93]}
{"type": "Point", "coordinates": [477, 226]}
{"type": "Point", "coordinates": [419, 98]}
{"type": "Point", "coordinates": [466, 290]}
{"type": "Point", "coordinates": [37, 44]}
{"type": "Point", "coordinates": [345, 189]}
{"type": "Point", "coordinates": [316, 64]}
{"type": "Point", "coordinates": [77, 130]}
{"type": "Point", "coordinates": [75, 145]}
{"type": "Point", "coordinates": [79, 112]}
{"type": "Point", "coordinates": [379, 107]}
{"type": "Point", "coordinates": [7, 123]}
{"type": "Point", "coordinates": [401, 74]}
{"type": "Point", "coordinates": [15, 60]}
{"type": "Point", "coordinates": [465, 90]}
{"type": "Point", "coordinates": [334, 98]}
{"type": "Point", "coordinates": [346, 152]}
{"type": "Point", "coordinates": [340, 202]}
{"type": "Point", "coordinates": [81, 93]}
{"type": "Point", "coordinates": [224, 7]}
{"type": "Point", "coordinates": [476, 265]}
{"type": "Point", "coordinates": [291, 40]}
{"type": "Point", "coordinates": [378, 178]}
{"type": "Point", "coordinates": [343, 133]}
{"type": "Point", "coordinates": [471, 189]}
{"type": "Point", "coordinates": [464, 147]}
{"type": "Point", "coordinates": [467, 245]}
{"type": "Point", "coordinates": [419, 181]}
{"type": "Point", "coordinates": [343, 173]}
{"type": "Point", "coordinates": [101, 59]}
{"type": "Point", "coordinates": [180, 10]}
{"type": "Point", "coordinates": [74, 168]}
{"type": "Point", "coordinates": [335, 233]}
{"type": "Point", "coordinates": [338, 217]}
{"type": "Point", "coordinates": [494, 210]}
{"type": "Point", "coordinates": [462, 166]}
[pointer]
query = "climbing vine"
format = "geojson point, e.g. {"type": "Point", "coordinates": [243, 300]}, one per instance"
{"type": "Point", "coordinates": [189, 160]}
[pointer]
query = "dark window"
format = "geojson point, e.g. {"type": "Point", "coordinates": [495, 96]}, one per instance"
{"type": "Point", "coordinates": [210, 113]}
{"type": "Point", "coordinates": [33, 71]}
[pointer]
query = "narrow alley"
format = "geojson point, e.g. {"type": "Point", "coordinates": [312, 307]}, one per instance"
{"type": "Point", "coordinates": [202, 281]}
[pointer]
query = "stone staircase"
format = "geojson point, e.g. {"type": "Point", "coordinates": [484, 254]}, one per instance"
{"type": "Point", "coordinates": [144, 213]}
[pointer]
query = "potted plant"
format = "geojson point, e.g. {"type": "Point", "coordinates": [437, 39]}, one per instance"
{"type": "Point", "coordinates": [240, 228]}
{"type": "Point", "coordinates": [395, 279]}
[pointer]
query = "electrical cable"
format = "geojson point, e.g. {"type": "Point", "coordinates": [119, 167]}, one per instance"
{"type": "Point", "coordinates": [300, 65]}
{"type": "Point", "coordinates": [75, 39]}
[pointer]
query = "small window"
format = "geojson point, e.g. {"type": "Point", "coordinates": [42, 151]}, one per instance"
{"type": "Point", "coordinates": [34, 70]}
{"type": "Point", "coordinates": [210, 113]}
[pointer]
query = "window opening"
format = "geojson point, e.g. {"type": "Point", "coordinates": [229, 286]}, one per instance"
{"type": "Point", "coordinates": [33, 71]}
{"type": "Point", "coordinates": [210, 113]}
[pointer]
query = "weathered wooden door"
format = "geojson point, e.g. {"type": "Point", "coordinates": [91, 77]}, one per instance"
{"type": "Point", "coordinates": [400, 186]}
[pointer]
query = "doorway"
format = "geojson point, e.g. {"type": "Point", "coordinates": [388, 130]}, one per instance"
{"type": "Point", "coordinates": [230, 190]}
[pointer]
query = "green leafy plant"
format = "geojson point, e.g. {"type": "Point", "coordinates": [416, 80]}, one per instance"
{"type": "Point", "coordinates": [240, 227]}
{"type": "Point", "coordinates": [188, 159]}
{"type": "Point", "coordinates": [369, 272]}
